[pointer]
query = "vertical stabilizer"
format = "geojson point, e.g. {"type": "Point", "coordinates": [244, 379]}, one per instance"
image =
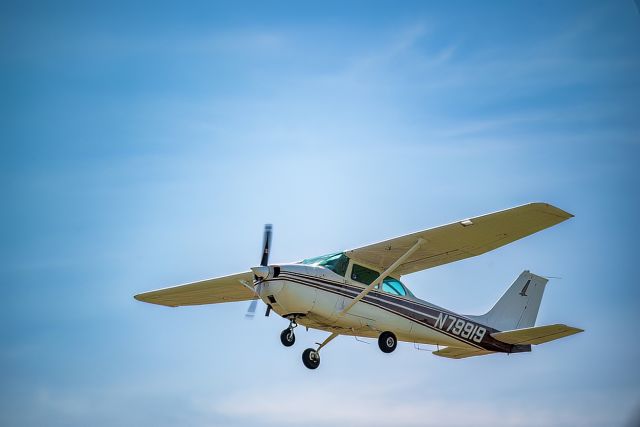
{"type": "Point", "coordinates": [518, 307]}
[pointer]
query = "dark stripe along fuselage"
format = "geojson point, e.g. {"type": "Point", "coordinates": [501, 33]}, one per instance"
{"type": "Point", "coordinates": [410, 309]}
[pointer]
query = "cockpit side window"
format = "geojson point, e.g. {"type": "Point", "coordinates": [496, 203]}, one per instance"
{"type": "Point", "coordinates": [363, 274]}
{"type": "Point", "coordinates": [389, 284]}
{"type": "Point", "coordinates": [393, 286]}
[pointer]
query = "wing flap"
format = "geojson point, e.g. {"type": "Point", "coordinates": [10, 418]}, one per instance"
{"type": "Point", "coordinates": [536, 335]}
{"type": "Point", "coordinates": [461, 239]}
{"type": "Point", "coordinates": [210, 291]}
{"type": "Point", "coordinates": [461, 353]}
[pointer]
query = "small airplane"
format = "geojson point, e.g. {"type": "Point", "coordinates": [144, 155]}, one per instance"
{"type": "Point", "coordinates": [358, 292]}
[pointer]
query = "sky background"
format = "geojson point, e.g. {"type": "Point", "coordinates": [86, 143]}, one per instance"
{"type": "Point", "coordinates": [145, 144]}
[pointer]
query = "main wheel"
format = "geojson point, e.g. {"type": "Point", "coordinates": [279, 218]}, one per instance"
{"type": "Point", "coordinates": [387, 342]}
{"type": "Point", "coordinates": [311, 358]}
{"type": "Point", "coordinates": [287, 337]}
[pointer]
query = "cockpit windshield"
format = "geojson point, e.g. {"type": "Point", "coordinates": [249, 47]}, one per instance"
{"type": "Point", "coordinates": [337, 262]}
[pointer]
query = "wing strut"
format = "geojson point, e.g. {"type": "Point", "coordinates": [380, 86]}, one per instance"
{"type": "Point", "coordinates": [382, 276]}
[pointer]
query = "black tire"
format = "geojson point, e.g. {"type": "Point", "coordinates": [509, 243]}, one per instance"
{"type": "Point", "coordinates": [387, 342]}
{"type": "Point", "coordinates": [311, 358]}
{"type": "Point", "coordinates": [287, 337]}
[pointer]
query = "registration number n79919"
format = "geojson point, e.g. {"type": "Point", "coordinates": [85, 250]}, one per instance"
{"type": "Point", "coordinates": [460, 327]}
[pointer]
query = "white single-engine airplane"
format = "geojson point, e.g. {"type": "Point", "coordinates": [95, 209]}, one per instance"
{"type": "Point", "coordinates": [358, 292]}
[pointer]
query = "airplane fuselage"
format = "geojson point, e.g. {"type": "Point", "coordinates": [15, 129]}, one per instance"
{"type": "Point", "coordinates": [316, 296]}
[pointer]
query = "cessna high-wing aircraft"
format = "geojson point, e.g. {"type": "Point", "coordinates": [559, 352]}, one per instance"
{"type": "Point", "coordinates": [358, 292]}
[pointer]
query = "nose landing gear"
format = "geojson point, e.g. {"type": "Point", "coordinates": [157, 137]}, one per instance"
{"type": "Point", "coordinates": [287, 337]}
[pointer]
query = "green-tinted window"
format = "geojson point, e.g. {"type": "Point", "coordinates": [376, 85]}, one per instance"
{"type": "Point", "coordinates": [363, 274]}
{"type": "Point", "coordinates": [319, 259]}
{"type": "Point", "coordinates": [335, 262]}
{"type": "Point", "coordinates": [393, 286]}
{"type": "Point", "coordinates": [338, 264]}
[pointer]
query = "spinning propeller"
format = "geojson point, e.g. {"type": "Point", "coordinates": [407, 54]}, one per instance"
{"type": "Point", "coordinates": [263, 269]}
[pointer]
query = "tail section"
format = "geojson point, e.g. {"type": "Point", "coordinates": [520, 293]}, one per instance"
{"type": "Point", "coordinates": [518, 307]}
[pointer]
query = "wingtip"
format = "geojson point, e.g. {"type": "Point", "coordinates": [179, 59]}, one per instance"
{"type": "Point", "coordinates": [573, 329]}
{"type": "Point", "coordinates": [554, 210]}
{"type": "Point", "coordinates": [141, 298]}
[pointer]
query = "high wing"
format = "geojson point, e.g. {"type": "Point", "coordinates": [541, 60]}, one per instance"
{"type": "Point", "coordinates": [210, 291]}
{"type": "Point", "coordinates": [461, 239]}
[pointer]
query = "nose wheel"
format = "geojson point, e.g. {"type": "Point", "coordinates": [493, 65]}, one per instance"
{"type": "Point", "coordinates": [287, 337]}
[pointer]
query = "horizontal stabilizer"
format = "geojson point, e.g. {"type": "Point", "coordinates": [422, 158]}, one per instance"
{"type": "Point", "coordinates": [536, 335]}
{"type": "Point", "coordinates": [461, 353]}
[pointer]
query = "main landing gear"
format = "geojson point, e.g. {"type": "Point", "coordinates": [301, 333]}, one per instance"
{"type": "Point", "coordinates": [311, 357]}
{"type": "Point", "coordinates": [287, 337]}
{"type": "Point", "coordinates": [387, 342]}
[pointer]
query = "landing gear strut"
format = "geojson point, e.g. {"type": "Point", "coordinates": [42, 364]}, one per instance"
{"type": "Point", "coordinates": [287, 337]}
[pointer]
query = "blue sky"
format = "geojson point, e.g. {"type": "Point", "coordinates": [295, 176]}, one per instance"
{"type": "Point", "coordinates": [146, 145]}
